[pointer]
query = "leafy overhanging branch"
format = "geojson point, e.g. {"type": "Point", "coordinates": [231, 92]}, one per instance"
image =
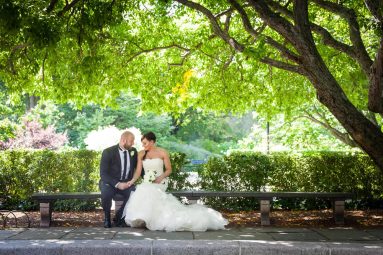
{"type": "Point", "coordinates": [67, 7]}
{"type": "Point", "coordinates": [360, 52]}
{"type": "Point", "coordinates": [214, 23]}
{"type": "Point", "coordinates": [376, 9]}
{"type": "Point", "coordinates": [51, 6]}
{"type": "Point", "coordinates": [327, 38]}
{"type": "Point", "coordinates": [282, 65]}
{"type": "Point", "coordinates": [322, 120]}
{"type": "Point", "coordinates": [142, 51]}
{"type": "Point", "coordinates": [256, 33]}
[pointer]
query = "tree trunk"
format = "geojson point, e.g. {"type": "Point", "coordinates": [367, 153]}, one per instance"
{"type": "Point", "coordinates": [329, 92]}
{"type": "Point", "coordinates": [31, 101]}
{"type": "Point", "coordinates": [310, 64]}
{"type": "Point", "coordinates": [367, 135]}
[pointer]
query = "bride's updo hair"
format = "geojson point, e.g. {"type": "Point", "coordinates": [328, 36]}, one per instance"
{"type": "Point", "coordinates": [150, 136]}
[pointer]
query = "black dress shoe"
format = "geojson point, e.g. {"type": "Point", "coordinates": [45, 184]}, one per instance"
{"type": "Point", "coordinates": [121, 224]}
{"type": "Point", "coordinates": [107, 223]}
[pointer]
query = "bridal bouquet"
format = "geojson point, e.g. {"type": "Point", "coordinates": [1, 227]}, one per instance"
{"type": "Point", "coordinates": [150, 177]}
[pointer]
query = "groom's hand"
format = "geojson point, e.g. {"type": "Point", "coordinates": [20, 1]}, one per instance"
{"type": "Point", "coordinates": [122, 185]}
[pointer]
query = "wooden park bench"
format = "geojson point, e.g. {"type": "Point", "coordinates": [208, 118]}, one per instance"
{"type": "Point", "coordinates": [46, 200]}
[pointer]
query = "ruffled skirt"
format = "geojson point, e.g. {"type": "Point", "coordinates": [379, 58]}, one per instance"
{"type": "Point", "coordinates": [152, 207]}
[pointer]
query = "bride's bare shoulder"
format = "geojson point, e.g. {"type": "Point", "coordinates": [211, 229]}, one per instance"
{"type": "Point", "coordinates": [162, 151]}
{"type": "Point", "coordinates": [141, 153]}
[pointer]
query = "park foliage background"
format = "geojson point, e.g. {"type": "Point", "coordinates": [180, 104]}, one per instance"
{"type": "Point", "coordinates": [267, 101]}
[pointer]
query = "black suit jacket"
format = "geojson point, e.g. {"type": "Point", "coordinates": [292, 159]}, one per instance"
{"type": "Point", "coordinates": [110, 166]}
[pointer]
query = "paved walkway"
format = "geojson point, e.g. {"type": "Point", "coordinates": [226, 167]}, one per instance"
{"type": "Point", "coordinates": [263, 240]}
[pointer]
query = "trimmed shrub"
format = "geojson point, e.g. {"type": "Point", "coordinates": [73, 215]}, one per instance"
{"type": "Point", "coordinates": [236, 172]}
{"type": "Point", "coordinates": [23, 172]}
{"type": "Point", "coordinates": [309, 171]}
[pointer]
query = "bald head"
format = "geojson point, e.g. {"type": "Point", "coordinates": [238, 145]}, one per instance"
{"type": "Point", "coordinates": [126, 140]}
{"type": "Point", "coordinates": [126, 134]}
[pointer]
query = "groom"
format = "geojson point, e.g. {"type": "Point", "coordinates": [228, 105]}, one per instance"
{"type": "Point", "coordinates": [117, 166]}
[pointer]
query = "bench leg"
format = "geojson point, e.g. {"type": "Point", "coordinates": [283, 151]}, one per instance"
{"type": "Point", "coordinates": [265, 212]}
{"type": "Point", "coordinates": [338, 211]}
{"type": "Point", "coordinates": [192, 201]}
{"type": "Point", "coordinates": [45, 214]}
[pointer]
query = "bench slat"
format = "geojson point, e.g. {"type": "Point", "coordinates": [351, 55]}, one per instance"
{"type": "Point", "coordinates": [66, 195]}
{"type": "Point", "coordinates": [203, 193]}
{"type": "Point", "coordinates": [270, 195]}
{"type": "Point", "coordinates": [45, 200]}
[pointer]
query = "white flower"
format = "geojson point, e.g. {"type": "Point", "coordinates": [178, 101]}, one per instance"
{"type": "Point", "coordinates": [149, 176]}
{"type": "Point", "coordinates": [132, 153]}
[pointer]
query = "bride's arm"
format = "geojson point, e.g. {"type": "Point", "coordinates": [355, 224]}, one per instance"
{"type": "Point", "coordinates": [138, 171]}
{"type": "Point", "coordinates": [168, 167]}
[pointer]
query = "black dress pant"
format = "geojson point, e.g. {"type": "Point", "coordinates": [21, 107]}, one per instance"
{"type": "Point", "coordinates": [108, 192]}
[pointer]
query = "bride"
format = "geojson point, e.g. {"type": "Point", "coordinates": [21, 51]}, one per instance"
{"type": "Point", "coordinates": [149, 205]}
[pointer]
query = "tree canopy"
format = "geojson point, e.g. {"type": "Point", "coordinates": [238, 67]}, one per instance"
{"type": "Point", "coordinates": [228, 55]}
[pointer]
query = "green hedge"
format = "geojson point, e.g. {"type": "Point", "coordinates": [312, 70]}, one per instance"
{"type": "Point", "coordinates": [23, 172]}
{"type": "Point", "coordinates": [310, 171]}
{"type": "Point", "coordinates": [238, 171]}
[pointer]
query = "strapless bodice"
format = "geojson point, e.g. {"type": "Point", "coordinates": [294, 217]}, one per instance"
{"type": "Point", "coordinates": [153, 167]}
{"type": "Point", "coordinates": [153, 164]}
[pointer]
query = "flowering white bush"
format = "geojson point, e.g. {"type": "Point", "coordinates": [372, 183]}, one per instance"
{"type": "Point", "coordinates": [105, 137]}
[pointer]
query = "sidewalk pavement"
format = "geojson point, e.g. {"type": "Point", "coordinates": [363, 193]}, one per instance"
{"type": "Point", "coordinates": [259, 240]}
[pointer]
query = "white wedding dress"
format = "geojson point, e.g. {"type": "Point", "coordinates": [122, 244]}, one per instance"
{"type": "Point", "coordinates": [149, 205]}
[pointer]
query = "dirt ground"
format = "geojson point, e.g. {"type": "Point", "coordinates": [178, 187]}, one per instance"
{"type": "Point", "coordinates": [279, 218]}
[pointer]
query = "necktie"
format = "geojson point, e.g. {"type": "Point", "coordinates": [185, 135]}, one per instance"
{"type": "Point", "coordinates": [125, 163]}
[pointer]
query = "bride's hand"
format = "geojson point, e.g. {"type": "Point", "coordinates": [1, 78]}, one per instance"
{"type": "Point", "coordinates": [129, 183]}
{"type": "Point", "coordinates": [158, 180]}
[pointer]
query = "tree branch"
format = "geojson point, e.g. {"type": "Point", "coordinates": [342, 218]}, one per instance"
{"type": "Point", "coordinates": [281, 9]}
{"type": "Point", "coordinates": [375, 92]}
{"type": "Point", "coordinates": [329, 40]}
{"type": "Point", "coordinates": [245, 19]}
{"type": "Point", "coordinates": [283, 50]}
{"type": "Point", "coordinates": [224, 13]}
{"type": "Point", "coordinates": [67, 7]}
{"type": "Point", "coordinates": [283, 65]}
{"type": "Point", "coordinates": [51, 6]}
{"type": "Point", "coordinates": [344, 137]}
{"type": "Point", "coordinates": [376, 9]}
{"type": "Point", "coordinates": [214, 23]}
{"type": "Point", "coordinates": [156, 49]}
{"type": "Point", "coordinates": [274, 20]}
{"type": "Point", "coordinates": [227, 22]}
{"type": "Point", "coordinates": [228, 62]}
{"type": "Point", "coordinates": [189, 51]}
{"type": "Point", "coordinates": [349, 15]}
{"type": "Point", "coordinates": [301, 20]}
{"type": "Point", "coordinates": [184, 57]}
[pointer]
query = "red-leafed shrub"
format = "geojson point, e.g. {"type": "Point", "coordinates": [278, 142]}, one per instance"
{"type": "Point", "coordinates": [33, 135]}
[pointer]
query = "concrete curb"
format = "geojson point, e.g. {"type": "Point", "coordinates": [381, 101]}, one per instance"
{"type": "Point", "coordinates": [189, 247]}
